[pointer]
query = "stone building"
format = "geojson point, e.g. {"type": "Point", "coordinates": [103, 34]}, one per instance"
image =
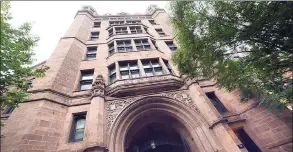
{"type": "Point", "coordinates": [112, 87]}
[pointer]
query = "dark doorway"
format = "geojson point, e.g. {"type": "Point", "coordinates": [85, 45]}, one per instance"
{"type": "Point", "coordinates": [157, 137]}
{"type": "Point", "coordinates": [247, 141]}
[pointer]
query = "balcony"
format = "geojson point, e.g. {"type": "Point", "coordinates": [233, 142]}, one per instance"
{"type": "Point", "coordinates": [144, 85]}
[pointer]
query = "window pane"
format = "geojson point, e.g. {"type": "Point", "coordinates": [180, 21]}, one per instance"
{"type": "Point", "coordinates": [133, 66]}
{"type": "Point", "coordinates": [124, 75]}
{"type": "Point", "coordinates": [155, 64]}
{"type": "Point", "coordinates": [112, 78]}
{"type": "Point", "coordinates": [146, 64]}
{"type": "Point", "coordinates": [80, 123]}
{"type": "Point", "coordinates": [85, 86]}
{"type": "Point", "coordinates": [94, 38]}
{"type": "Point", "coordinates": [87, 77]}
{"type": "Point", "coordinates": [90, 56]}
{"type": "Point", "coordinates": [112, 71]}
{"type": "Point", "coordinates": [148, 72]}
{"type": "Point", "coordinates": [123, 67]}
{"type": "Point", "coordinates": [147, 47]}
{"type": "Point", "coordinates": [79, 134]}
{"type": "Point", "coordinates": [128, 48]}
{"type": "Point", "coordinates": [134, 74]}
{"type": "Point", "coordinates": [158, 71]}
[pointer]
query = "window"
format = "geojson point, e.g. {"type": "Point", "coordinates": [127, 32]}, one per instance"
{"type": "Point", "coordinates": [152, 67]}
{"type": "Point", "coordinates": [8, 110]}
{"type": "Point", "coordinates": [142, 44]}
{"type": "Point", "coordinates": [121, 30]}
{"type": "Point", "coordinates": [116, 22]}
{"type": "Point", "coordinates": [135, 29]}
{"type": "Point", "coordinates": [111, 48]}
{"type": "Point", "coordinates": [91, 53]}
{"type": "Point", "coordinates": [94, 35]}
{"type": "Point", "coordinates": [97, 24]}
{"type": "Point", "coordinates": [160, 32]}
{"type": "Point", "coordinates": [124, 45]}
{"type": "Point", "coordinates": [171, 45]}
{"type": "Point", "coordinates": [78, 127]}
{"type": "Point", "coordinates": [152, 22]}
{"type": "Point", "coordinates": [217, 103]}
{"type": "Point", "coordinates": [110, 32]}
{"type": "Point", "coordinates": [129, 69]}
{"type": "Point", "coordinates": [112, 73]}
{"type": "Point", "coordinates": [168, 66]}
{"type": "Point", "coordinates": [86, 79]}
{"type": "Point", "coordinates": [30, 82]}
{"type": "Point", "coordinates": [133, 22]}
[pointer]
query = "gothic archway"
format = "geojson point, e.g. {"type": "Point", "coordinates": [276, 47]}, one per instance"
{"type": "Point", "coordinates": [185, 122]}
{"type": "Point", "coordinates": [156, 132]}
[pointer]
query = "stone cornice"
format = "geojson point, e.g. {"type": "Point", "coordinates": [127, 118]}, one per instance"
{"type": "Point", "coordinates": [145, 84]}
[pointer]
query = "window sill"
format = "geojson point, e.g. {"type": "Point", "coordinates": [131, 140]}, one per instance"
{"type": "Point", "coordinates": [89, 60]}
{"type": "Point", "coordinates": [93, 40]}
{"type": "Point", "coordinates": [82, 90]}
{"type": "Point", "coordinates": [75, 142]}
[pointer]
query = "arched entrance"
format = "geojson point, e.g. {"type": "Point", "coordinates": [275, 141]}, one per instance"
{"type": "Point", "coordinates": [159, 124]}
{"type": "Point", "coordinates": [156, 132]}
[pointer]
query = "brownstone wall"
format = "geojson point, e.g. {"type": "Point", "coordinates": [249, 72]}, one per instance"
{"type": "Point", "coordinates": [34, 127]}
{"type": "Point", "coordinates": [270, 130]}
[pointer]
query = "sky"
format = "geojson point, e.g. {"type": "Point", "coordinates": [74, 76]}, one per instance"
{"type": "Point", "coordinates": [51, 19]}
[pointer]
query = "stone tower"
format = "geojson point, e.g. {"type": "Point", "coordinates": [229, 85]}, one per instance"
{"type": "Point", "coordinates": [112, 87]}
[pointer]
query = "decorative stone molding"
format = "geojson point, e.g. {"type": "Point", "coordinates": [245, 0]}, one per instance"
{"type": "Point", "coordinates": [96, 149]}
{"type": "Point", "coordinates": [115, 107]}
{"type": "Point", "coordinates": [98, 88]}
{"type": "Point", "coordinates": [144, 83]}
{"type": "Point", "coordinates": [189, 81]}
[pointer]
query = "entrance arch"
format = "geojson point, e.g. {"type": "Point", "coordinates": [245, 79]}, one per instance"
{"type": "Point", "coordinates": [160, 112]}
{"type": "Point", "coordinates": [156, 132]}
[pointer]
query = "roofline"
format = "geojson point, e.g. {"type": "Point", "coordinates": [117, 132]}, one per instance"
{"type": "Point", "coordinates": [39, 64]}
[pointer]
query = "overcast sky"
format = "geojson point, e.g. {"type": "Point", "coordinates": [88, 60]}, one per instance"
{"type": "Point", "coordinates": [51, 19]}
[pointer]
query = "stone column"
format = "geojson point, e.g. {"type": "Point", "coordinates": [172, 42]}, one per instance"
{"type": "Point", "coordinates": [141, 69]}
{"type": "Point", "coordinates": [96, 131]}
{"type": "Point", "coordinates": [212, 116]}
{"type": "Point", "coordinates": [117, 69]}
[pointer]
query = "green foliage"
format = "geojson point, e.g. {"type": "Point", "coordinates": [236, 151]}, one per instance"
{"type": "Point", "coordinates": [242, 45]}
{"type": "Point", "coordinates": [16, 60]}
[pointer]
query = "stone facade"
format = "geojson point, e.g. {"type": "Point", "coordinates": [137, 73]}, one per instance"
{"type": "Point", "coordinates": [115, 111]}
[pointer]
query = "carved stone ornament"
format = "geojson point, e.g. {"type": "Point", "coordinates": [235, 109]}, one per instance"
{"type": "Point", "coordinates": [115, 107]}
{"type": "Point", "coordinates": [98, 88]}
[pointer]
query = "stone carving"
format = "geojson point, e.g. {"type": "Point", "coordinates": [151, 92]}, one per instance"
{"type": "Point", "coordinates": [115, 107]}
{"type": "Point", "coordinates": [98, 88]}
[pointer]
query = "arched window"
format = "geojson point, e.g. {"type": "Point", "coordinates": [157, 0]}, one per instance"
{"type": "Point", "coordinates": [78, 127]}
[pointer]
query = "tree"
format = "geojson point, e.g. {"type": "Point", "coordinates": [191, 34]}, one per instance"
{"type": "Point", "coordinates": [16, 59]}
{"type": "Point", "coordinates": [241, 45]}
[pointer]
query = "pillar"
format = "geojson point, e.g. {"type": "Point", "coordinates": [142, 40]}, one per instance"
{"type": "Point", "coordinates": [213, 117]}
{"type": "Point", "coordinates": [95, 129]}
